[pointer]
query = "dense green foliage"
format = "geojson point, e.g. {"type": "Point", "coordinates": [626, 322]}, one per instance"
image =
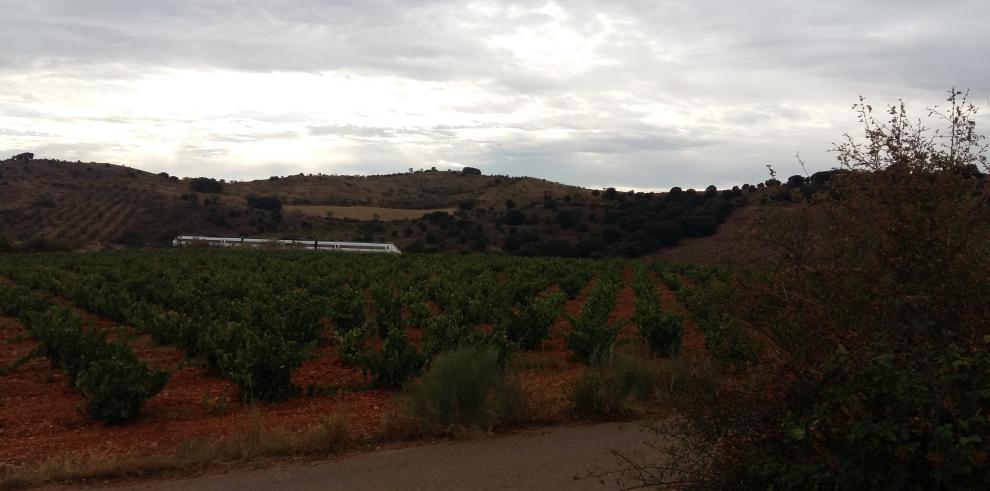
{"type": "Point", "coordinates": [112, 381]}
{"type": "Point", "coordinates": [661, 329]}
{"type": "Point", "coordinates": [205, 185]}
{"type": "Point", "coordinates": [594, 334]}
{"type": "Point", "coordinates": [530, 324]}
{"type": "Point", "coordinates": [861, 358]}
{"type": "Point", "coordinates": [254, 317]}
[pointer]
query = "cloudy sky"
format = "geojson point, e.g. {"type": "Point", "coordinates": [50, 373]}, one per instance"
{"type": "Point", "coordinates": [626, 93]}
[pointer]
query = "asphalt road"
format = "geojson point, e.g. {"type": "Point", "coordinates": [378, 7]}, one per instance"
{"type": "Point", "coordinates": [544, 459]}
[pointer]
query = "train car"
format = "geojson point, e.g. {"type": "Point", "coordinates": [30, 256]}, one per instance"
{"type": "Point", "coordinates": [318, 245]}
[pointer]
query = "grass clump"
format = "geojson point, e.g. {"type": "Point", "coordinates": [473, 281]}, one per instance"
{"type": "Point", "coordinates": [615, 386]}
{"type": "Point", "coordinates": [463, 390]}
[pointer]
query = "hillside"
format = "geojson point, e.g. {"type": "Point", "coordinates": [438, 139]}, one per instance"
{"type": "Point", "coordinates": [56, 204]}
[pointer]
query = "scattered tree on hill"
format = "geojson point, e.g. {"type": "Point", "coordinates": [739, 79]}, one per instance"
{"type": "Point", "coordinates": [264, 203]}
{"type": "Point", "coordinates": [205, 185]}
{"type": "Point", "coordinates": [514, 217]}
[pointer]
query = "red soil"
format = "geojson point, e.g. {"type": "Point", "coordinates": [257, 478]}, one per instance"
{"type": "Point", "coordinates": [38, 419]}
{"type": "Point", "coordinates": [625, 309]}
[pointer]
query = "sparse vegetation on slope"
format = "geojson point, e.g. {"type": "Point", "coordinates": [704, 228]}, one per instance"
{"type": "Point", "coordinates": [66, 205]}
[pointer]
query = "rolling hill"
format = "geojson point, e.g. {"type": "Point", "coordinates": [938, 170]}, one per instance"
{"type": "Point", "coordinates": [57, 204]}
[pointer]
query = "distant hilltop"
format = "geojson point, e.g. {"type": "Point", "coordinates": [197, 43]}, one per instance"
{"type": "Point", "coordinates": [51, 204]}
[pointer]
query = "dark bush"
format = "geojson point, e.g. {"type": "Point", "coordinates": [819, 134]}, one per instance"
{"type": "Point", "coordinates": [875, 324]}
{"type": "Point", "coordinates": [592, 247]}
{"type": "Point", "coordinates": [530, 325]}
{"type": "Point", "coordinates": [668, 232]}
{"type": "Point", "coordinates": [566, 218]}
{"type": "Point", "coordinates": [612, 235]}
{"type": "Point", "coordinates": [259, 362]}
{"type": "Point", "coordinates": [268, 203]}
{"type": "Point", "coordinates": [396, 362]}
{"type": "Point", "coordinates": [115, 387]}
{"type": "Point", "coordinates": [514, 217]}
{"type": "Point", "coordinates": [113, 383]}
{"type": "Point", "coordinates": [205, 185]}
{"type": "Point", "coordinates": [697, 225]}
{"type": "Point", "coordinates": [631, 248]}
{"type": "Point", "coordinates": [553, 247]}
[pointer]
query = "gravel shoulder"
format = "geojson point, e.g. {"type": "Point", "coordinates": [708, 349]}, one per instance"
{"type": "Point", "coordinates": [545, 459]}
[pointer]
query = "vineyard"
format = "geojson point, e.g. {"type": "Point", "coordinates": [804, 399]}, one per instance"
{"type": "Point", "coordinates": [103, 349]}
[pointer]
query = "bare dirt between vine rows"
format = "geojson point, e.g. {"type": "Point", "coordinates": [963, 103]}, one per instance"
{"type": "Point", "coordinates": [39, 420]}
{"type": "Point", "coordinates": [545, 459]}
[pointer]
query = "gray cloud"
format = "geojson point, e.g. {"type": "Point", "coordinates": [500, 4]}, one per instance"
{"type": "Point", "coordinates": [625, 92]}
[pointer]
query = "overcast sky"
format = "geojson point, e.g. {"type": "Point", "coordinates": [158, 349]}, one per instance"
{"type": "Point", "coordinates": [626, 93]}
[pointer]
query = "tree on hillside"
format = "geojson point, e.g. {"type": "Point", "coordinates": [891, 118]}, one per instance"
{"type": "Point", "coordinates": [205, 185]}
{"type": "Point", "coordinates": [264, 203]}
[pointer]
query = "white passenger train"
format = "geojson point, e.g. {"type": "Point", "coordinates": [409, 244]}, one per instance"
{"type": "Point", "coordinates": [319, 245]}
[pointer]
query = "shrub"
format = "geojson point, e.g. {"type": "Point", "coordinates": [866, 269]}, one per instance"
{"type": "Point", "coordinates": [457, 390]}
{"type": "Point", "coordinates": [728, 342]}
{"type": "Point", "coordinates": [572, 285]}
{"type": "Point", "coordinates": [591, 246]}
{"type": "Point", "coordinates": [593, 336]}
{"type": "Point", "coordinates": [612, 388]}
{"type": "Point", "coordinates": [346, 308]}
{"type": "Point", "coordinates": [64, 342]}
{"type": "Point", "coordinates": [113, 383]}
{"type": "Point", "coordinates": [259, 362]}
{"type": "Point", "coordinates": [298, 315]}
{"type": "Point", "coordinates": [350, 344]}
{"type": "Point", "coordinates": [876, 322]}
{"type": "Point", "coordinates": [888, 419]}
{"type": "Point", "coordinates": [531, 324]}
{"type": "Point", "coordinates": [268, 203]}
{"type": "Point", "coordinates": [661, 330]}
{"type": "Point", "coordinates": [514, 217]}
{"type": "Point", "coordinates": [205, 185]}
{"type": "Point", "coordinates": [115, 387]}
{"type": "Point", "coordinates": [396, 362]}
{"type": "Point", "coordinates": [566, 218]}
{"type": "Point", "coordinates": [697, 225]}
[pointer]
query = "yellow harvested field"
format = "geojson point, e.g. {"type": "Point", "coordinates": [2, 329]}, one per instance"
{"type": "Point", "coordinates": [361, 212]}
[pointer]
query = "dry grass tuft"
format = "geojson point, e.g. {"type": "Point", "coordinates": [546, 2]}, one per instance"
{"type": "Point", "coordinates": [252, 441]}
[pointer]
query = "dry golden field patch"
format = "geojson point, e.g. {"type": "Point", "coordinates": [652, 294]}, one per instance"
{"type": "Point", "coordinates": [362, 212]}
